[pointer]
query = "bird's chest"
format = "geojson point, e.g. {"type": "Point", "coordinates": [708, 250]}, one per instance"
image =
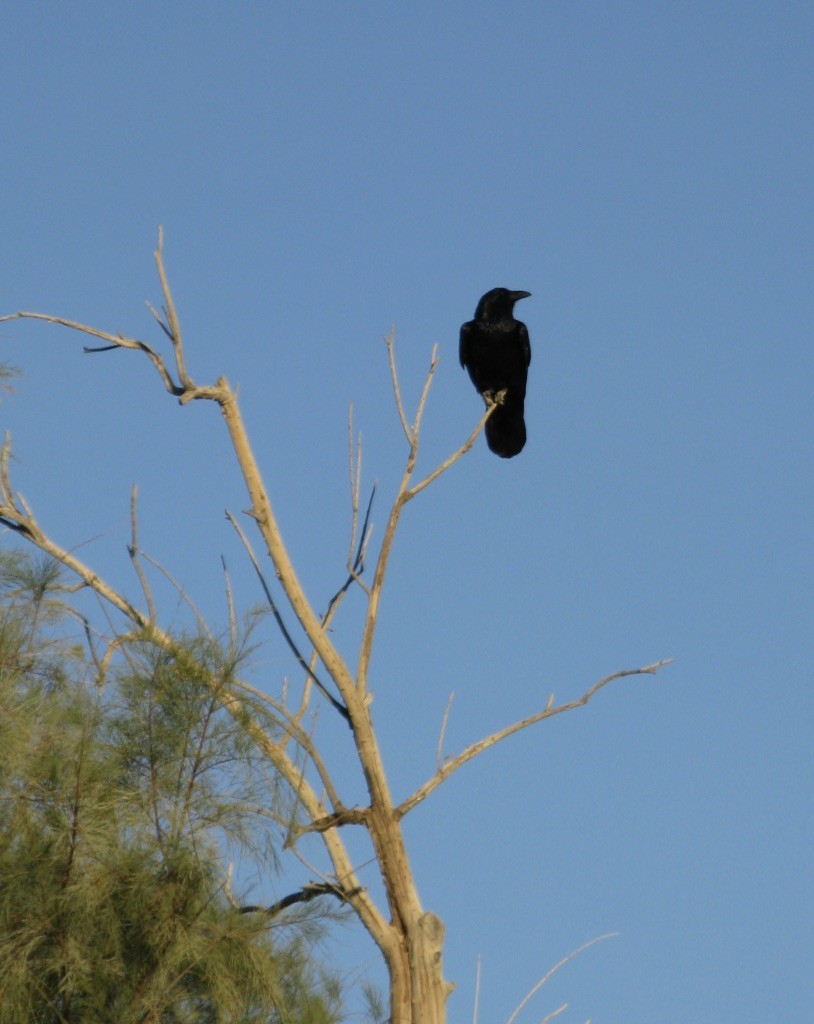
{"type": "Point", "coordinates": [498, 351]}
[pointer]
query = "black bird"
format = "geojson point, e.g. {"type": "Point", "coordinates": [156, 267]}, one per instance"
{"type": "Point", "coordinates": [495, 350]}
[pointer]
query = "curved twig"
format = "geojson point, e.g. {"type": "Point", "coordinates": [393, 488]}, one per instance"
{"type": "Point", "coordinates": [554, 969]}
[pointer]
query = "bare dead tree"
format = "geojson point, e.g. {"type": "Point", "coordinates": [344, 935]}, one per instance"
{"type": "Point", "coordinates": [409, 937]}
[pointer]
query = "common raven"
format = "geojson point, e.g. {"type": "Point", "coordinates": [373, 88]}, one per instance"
{"type": "Point", "coordinates": [495, 350]}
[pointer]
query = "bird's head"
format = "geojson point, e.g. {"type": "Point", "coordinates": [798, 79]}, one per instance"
{"type": "Point", "coordinates": [498, 304]}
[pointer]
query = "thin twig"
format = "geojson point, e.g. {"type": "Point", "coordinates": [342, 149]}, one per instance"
{"type": "Point", "coordinates": [356, 553]}
{"type": "Point", "coordinates": [133, 551]}
{"type": "Point", "coordinates": [230, 607]}
{"type": "Point", "coordinates": [554, 1013]}
{"type": "Point", "coordinates": [445, 465]}
{"type": "Point", "coordinates": [489, 741]}
{"type": "Point", "coordinates": [389, 340]}
{"type": "Point", "coordinates": [422, 401]}
{"type": "Point", "coordinates": [477, 993]}
{"type": "Point", "coordinates": [555, 968]}
{"type": "Point", "coordinates": [354, 476]}
{"type": "Point", "coordinates": [355, 567]}
{"type": "Point", "coordinates": [172, 316]}
{"type": "Point", "coordinates": [159, 320]}
{"type": "Point", "coordinates": [439, 751]}
{"type": "Point", "coordinates": [182, 594]}
{"type": "Point", "coordinates": [97, 663]}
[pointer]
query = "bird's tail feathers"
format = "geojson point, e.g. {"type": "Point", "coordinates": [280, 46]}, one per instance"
{"type": "Point", "coordinates": [506, 431]}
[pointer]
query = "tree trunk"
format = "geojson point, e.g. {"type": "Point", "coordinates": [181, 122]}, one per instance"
{"type": "Point", "coordinates": [418, 991]}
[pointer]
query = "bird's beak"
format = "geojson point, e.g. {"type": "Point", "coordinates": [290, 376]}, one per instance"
{"type": "Point", "coordinates": [520, 295]}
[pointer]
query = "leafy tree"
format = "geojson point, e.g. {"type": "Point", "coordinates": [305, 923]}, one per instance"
{"type": "Point", "coordinates": [409, 937]}
{"type": "Point", "coordinates": [120, 786]}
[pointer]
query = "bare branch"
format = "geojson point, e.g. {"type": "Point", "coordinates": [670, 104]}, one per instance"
{"type": "Point", "coordinates": [97, 663]}
{"type": "Point", "coordinates": [422, 401]}
{"type": "Point", "coordinates": [133, 551]}
{"type": "Point", "coordinates": [172, 317]}
{"type": "Point", "coordinates": [356, 552]}
{"type": "Point", "coordinates": [445, 465]}
{"type": "Point", "coordinates": [262, 512]}
{"type": "Point", "coordinates": [15, 514]}
{"type": "Point", "coordinates": [356, 566]}
{"type": "Point", "coordinates": [116, 341]}
{"type": "Point", "coordinates": [182, 594]}
{"type": "Point", "coordinates": [440, 749]}
{"type": "Point", "coordinates": [289, 724]}
{"type": "Point", "coordinates": [304, 895]}
{"type": "Point", "coordinates": [554, 969]}
{"type": "Point", "coordinates": [489, 741]}
{"type": "Point", "coordinates": [403, 495]}
{"type": "Point", "coordinates": [384, 830]}
{"type": "Point", "coordinates": [477, 994]}
{"type": "Point", "coordinates": [6, 494]}
{"type": "Point", "coordinates": [409, 938]}
{"type": "Point", "coordinates": [230, 606]}
{"type": "Point", "coordinates": [389, 340]}
{"type": "Point", "coordinates": [355, 477]}
{"type": "Point", "coordinates": [371, 618]}
{"type": "Point", "coordinates": [159, 320]}
{"type": "Point", "coordinates": [279, 620]}
{"type": "Point", "coordinates": [345, 816]}
{"type": "Point", "coordinates": [112, 647]}
{"type": "Point", "coordinates": [24, 522]}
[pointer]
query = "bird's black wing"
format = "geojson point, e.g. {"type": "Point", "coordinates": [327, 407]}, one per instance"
{"type": "Point", "coordinates": [525, 344]}
{"type": "Point", "coordinates": [464, 346]}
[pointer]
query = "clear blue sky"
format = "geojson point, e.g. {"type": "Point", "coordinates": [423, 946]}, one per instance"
{"type": "Point", "coordinates": [325, 170]}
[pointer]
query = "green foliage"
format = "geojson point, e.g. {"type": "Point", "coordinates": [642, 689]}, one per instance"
{"type": "Point", "coordinates": [120, 791]}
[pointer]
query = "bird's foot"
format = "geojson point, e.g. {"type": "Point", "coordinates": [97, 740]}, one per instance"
{"type": "Point", "coordinates": [492, 397]}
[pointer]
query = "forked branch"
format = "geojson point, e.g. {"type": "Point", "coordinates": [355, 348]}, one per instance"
{"type": "Point", "coordinates": [549, 711]}
{"type": "Point", "coordinates": [116, 341]}
{"type": "Point", "coordinates": [404, 494]}
{"type": "Point", "coordinates": [445, 465]}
